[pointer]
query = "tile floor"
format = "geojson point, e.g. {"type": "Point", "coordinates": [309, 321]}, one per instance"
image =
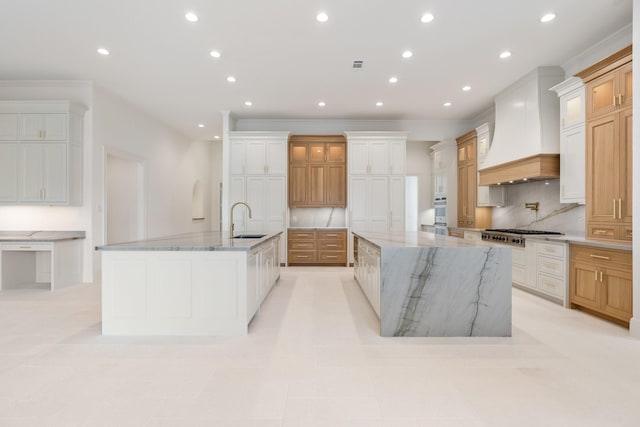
{"type": "Point", "coordinates": [313, 357]}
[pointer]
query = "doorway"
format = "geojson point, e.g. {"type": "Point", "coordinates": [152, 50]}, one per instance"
{"type": "Point", "coordinates": [124, 204]}
{"type": "Point", "coordinates": [411, 203]}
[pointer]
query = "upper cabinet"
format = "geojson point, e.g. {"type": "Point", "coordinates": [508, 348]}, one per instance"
{"type": "Point", "coordinates": [259, 153]}
{"type": "Point", "coordinates": [608, 148]}
{"type": "Point", "coordinates": [377, 153]}
{"type": "Point", "coordinates": [317, 171]}
{"type": "Point", "coordinates": [572, 140]}
{"type": "Point", "coordinates": [41, 152]}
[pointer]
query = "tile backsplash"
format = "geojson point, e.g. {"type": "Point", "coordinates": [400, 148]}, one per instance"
{"type": "Point", "coordinates": [551, 215]}
{"type": "Point", "coordinates": [317, 217]}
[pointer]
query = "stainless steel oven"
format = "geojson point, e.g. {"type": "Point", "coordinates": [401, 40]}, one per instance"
{"type": "Point", "coordinates": [440, 205]}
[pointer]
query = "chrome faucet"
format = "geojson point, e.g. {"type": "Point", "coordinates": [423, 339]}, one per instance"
{"type": "Point", "coordinates": [231, 227]}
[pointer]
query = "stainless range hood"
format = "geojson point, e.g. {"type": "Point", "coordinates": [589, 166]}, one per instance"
{"type": "Point", "coordinates": [526, 142]}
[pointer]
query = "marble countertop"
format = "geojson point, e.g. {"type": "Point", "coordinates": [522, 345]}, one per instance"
{"type": "Point", "coordinates": [419, 239]}
{"type": "Point", "coordinates": [580, 240]}
{"type": "Point", "coordinates": [317, 228]}
{"type": "Point", "coordinates": [40, 236]}
{"type": "Point", "coordinates": [200, 241]}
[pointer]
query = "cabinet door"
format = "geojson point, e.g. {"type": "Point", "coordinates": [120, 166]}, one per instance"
{"type": "Point", "coordinates": [31, 127]}
{"type": "Point", "coordinates": [276, 158]}
{"type": "Point", "coordinates": [276, 201]}
{"type": "Point", "coordinates": [237, 158]}
{"type": "Point", "coordinates": [616, 298]}
{"type": "Point", "coordinates": [378, 195]}
{"type": "Point", "coordinates": [572, 159]}
{"type": "Point", "coordinates": [8, 127]}
{"type": "Point", "coordinates": [298, 153]}
{"type": "Point", "coordinates": [55, 127]}
{"type": "Point", "coordinates": [298, 185]}
{"type": "Point", "coordinates": [358, 158]}
{"type": "Point", "coordinates": [256, 198]}
{"type": "Point", "coordinates": [336, 185]}
{"type": "Point", "coordinates": [438, 162]}
{"type": "Point", "coordinates": [585, 286]}
{"type": "Point", "coordinates": [572, 109]}
{"type": "Point", "coordinates": [8, 171]}
{"type": "Point", "coordinates": [316, 152]}
{"type": "Point", "coordinates": [397, 157]}
{"type": "Point", "coordinates": [601, 94]}
{"type": "Point", "coordinates": [625, 170]}
{"type": "Point", "coordinates": [379, 158]}
{"type": "Point", "coordinates": [55, 172]}
{"type": "Point", "coordinates": [397, 205]}
{"type": "Point", "coordinates": [336, 153]}
{"type": "Point", "coordinates": [253, 281]}
{"type": "Point", "coordinates": [358, 202]}
{"type": "Point", "coordinates": [462, 193]}
{"type": "Point", "coordinates": [255, 156]}
{"type": "Point", "coordinates": [602, 163]}
{"type": "Point", "coordinates": [316, 184]}
{"type": "Point", "coordinates": [625, 80]}
{"type": "Point", "coordinates": [31, 172]}
{"type": "Point", "coordinates": [237, 194]}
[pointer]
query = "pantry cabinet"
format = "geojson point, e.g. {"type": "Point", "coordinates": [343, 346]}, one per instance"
{"type": "Point", "coordinates": [41, 152]}
{"type": "Point", "coordinates": [469, 214]}
{"type": "Point", "coordinates": [608, 148]}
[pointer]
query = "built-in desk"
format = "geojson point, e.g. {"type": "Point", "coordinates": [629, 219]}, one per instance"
{"type": "Point", "coordinates": [47, 259]}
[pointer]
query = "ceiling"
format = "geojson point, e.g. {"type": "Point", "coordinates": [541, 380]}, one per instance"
{"type": "Point", "coordinates": [285, 61]}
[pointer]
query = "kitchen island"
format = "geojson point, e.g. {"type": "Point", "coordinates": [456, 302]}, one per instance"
{"type": "Point", "coordinates": [426, 285]}
{"type": "Point", "coordinates": [191, 284]}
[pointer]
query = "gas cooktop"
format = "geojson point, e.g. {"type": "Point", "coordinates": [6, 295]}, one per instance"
{"type": "Point", "coordinates": [513, 236]}
{"type": "Point", "coordinates": [520, 231]}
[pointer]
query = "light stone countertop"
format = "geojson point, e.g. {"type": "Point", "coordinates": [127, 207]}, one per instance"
{"type": "Point", "coordinates": [318, 228]}
{"type": "Point", "coordinates": [199, 241]}
{"type": "Point", "coordinates": [420, 239]}
{"type": "Point", "coordinates": [580, 240]}
{"type": "Point", "coordinates": [40, 236]}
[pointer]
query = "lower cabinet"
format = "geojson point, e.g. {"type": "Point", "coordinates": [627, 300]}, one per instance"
{"type": "Point", "coordinates": [601, 282]}
{"type": "Point", "coordinates": [367, 272]}
{"type": "Point", "coordinates": [542, 268]}
{"type": "Point", "coordinates": [317, 247]}
{"type": "Point", "coordinates": [263, 270]}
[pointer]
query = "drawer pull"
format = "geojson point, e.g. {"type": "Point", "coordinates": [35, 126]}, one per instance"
{"type": "Point", "coordinates": [331, 256]}
{"type": "Point", "coordinates": [595, 275]}
{"type": "Point", "coordinates": [599, 231]}
{"type": "Point", "coordinates": [601, 277]}
{"type": "Point", "coordinates": [25, 247]}
{"type": "Point", "coordinates": [303, 256]}
{"type": "Point", "coordinates": [332, 246]}
{"type": "Point", "coordinates": [599, 256]}
{"type": "Point", "coordinates": [549, 249]}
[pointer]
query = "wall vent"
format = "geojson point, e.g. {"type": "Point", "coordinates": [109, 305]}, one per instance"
{"type": "Point", "coordinates": [358, 64]}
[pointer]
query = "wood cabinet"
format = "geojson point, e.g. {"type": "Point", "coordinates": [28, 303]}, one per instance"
{"type": "Point", "coordinates": [469, 215]}
{"type": "Point", "coordinates": [41, 146]}
{"type": "Point", "coordinates": [317, 171]}
{"type": "Point", "coordinates": [608, 149]}
{"type": "Point", "coordinates": [317, 247]}
{"type": "Point", "coordinates": [601, 282]}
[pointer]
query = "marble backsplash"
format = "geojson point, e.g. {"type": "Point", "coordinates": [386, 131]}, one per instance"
{"type": "Point", "coordinates": [317, 217]}
{"type": "Point", "coordinates": [551, 214]}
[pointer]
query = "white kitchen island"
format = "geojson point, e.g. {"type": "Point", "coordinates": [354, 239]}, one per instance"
{"type": "Point", "coordinates": [191, 284]}
{"type": "Point", "coordinates": [427, 285]}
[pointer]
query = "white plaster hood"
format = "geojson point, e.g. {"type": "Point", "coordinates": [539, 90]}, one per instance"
{"type": "Point", "coordinates": [526, 142]}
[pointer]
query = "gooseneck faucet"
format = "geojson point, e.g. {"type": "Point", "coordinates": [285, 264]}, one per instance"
{"type": "Point", "coordinates": [231, 227]}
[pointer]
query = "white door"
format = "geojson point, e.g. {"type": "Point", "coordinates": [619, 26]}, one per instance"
{"type": "Point", "coordinates": [256, 198]}
{"type": "Point", "coordinates": [358, 158]}
{"type": "Point", "coordinates": [8, 171]}
{"type": "Point", "coordinates": [358, 202]}
{"type": "Point", "coordinates": [378, 204]}
{"type": "Point", "coordinates": [55, 172]}
{"type": "Point", "coordinates": [276, 158]}
{"type": "Point", "coordinates": [397, 190]}
{"type": "Point", "coordinates": [379, 157]}
{"type": "Point", "coordinates": [255, 158]}
{"type": "Point", "coordinates": [397, 157]}
{"type": "Point", "coordinates": [31, 159]}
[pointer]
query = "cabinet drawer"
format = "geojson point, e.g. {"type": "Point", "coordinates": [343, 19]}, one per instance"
{"type": "Point", "coordinates": [551, 285]}
{"type": "Point", "coordinates": [601, 231]}
{"type": "Point", "coordinates": [300, 257]}
{"type": "Point", "coordinates": [552, 266]}
{"type": "Point", "coordinates": [301, 235]}
{"type": "Point", "coordinates": [332, 245]}
{"type": "Point", "coordinates": [333, 257]}
{"type": "Point", "coordinates": [550, 249]}
{"type": "Point", "coordinates": [302, 245]}
{"type": "Point", "coordinates": [517, 275]}
{"type": "Point", "coordinates": [600, 256]}
{"type": "Point", "coordinates": [517, 256]}
{"type": "Point", "coordinates": [26, 247]}
{"type": "Point", "coordinates": [332, 234]}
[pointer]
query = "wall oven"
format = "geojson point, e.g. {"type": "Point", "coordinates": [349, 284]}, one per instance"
{"type": "Point", "coordinates": [440, 205]}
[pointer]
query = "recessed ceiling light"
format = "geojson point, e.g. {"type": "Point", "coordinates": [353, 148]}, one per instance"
{"type": "Point", "coordinates": [200, 125]}
{"type": "Point", "coordinates": [407, 54]}
{"type": "Point", "coordinates": [248, 103]}
{"type": "Point", "coordinates": [191, 17]}
{"type": "Point", "coordinates": [215, 54]}
{"type": "Point", "coordinates": [426, 18]}
{"type": "Point", "coordinates": [466, 88]}
{"type": "Point", "coordinates": [231, 79]}
{"type": "Point", "coordinates": [103, 51]}
{"type": "Point", "coordinates": [548, 17]}
{"type": "Point", "coordinates": [322, 17]}
{"type": "Point", "coordinates": [505, 54]}
{"type": "Point", "coordinates": [393, 80]}
{"type": "Point", "coordinates": [447, 104]}
{"type": "Point", "coordinates": [321, 104]}
{"type": "Point", "coordinates": [216, 137]}
{"type": "Point", "coordinates": [379, 104]}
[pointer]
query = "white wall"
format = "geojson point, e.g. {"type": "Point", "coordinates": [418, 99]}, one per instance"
{"type": "Point", "coordinates": [173, 163]}
{"type": "Point", "coordinates": [122, 200]}
{"type": "Point", "coordinates": [216, 178]}
{"type": "Point", "coordinates": [420, 164]}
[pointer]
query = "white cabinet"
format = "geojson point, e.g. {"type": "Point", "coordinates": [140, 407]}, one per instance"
{"type": "Point", "coordinates": [572, 140]}
{"type": "Point", "coordinates": [41, 146]}
{"type": "Point", "coordinates": [487, 196]}
{"type": "Point", "coordinates": [377, 153]}
{"type": "Point", "coordinates": [267, 198]}
{"type": "Point", "coordinates": [369, 203]}
{"type": "Point", "coordinates": [444, 176]}
{"type": "Point", "coordinates": [367, 273]}
{"type": "Point", "coordinates": [258, 153]}
{"type": "Point", "coordinates": [541, 266]}
{"type": "Point", "coordinates": [397, 203]}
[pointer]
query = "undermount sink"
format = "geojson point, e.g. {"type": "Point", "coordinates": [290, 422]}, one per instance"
{"type": "Point", "coordinates": [249, 236]}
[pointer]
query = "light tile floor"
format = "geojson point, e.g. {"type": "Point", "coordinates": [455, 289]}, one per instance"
{"type": "Point", "coordinates": [313, 357]}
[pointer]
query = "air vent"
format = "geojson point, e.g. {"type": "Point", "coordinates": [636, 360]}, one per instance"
{"type": "Point", "coordinates": [358, 64]}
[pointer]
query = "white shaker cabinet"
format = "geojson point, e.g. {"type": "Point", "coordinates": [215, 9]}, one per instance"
{"type": "Point", "coordinates": [8, 171]}
{"type": "Point", "coordinates": [369, 203]}
{"type": "Point", "coordinates": [43, 172]}
{"type": "Point", "coordinates": [572, 140]}
{"type": "Point", "coordinates": [8, 127]}
{"type": "Point", "coordinates": [43, 127]}
{"type": "Point", "coordinates": [377, 153]}
{"type": "Point", "coordinates": [258, 153]}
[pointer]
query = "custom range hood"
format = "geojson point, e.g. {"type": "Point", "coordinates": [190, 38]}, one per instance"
{"type": "Point", "coordinates": [526, 142]}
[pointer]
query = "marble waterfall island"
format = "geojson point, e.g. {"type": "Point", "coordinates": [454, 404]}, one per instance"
{"type": "Point", "coordinates": [191, 284]}
{"type": "Point", "coordinates": [426, 285]}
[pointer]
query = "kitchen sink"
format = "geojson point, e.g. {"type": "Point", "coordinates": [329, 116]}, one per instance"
{"type": "Point", "coordinates": [249, 236]}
